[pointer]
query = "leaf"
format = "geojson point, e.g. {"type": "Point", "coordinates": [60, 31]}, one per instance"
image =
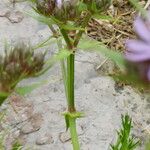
{"type": "Point", "coordinates": [29, 88]}
{"type": "Point", "coordinates": [125, 141]}
{"type": "Point", "coordinates": [3, 97]}
{"type": "Point", "coordinates": [42, 44]}
{"type": "Point", "coordinates": [62, 54]}
{"type": "Point", "coordinates": [139, 8]}
{"type": "Point", "coordinates": [67, 122]}
{"type": "Point", "coordinates": [89, 44]}
{"type": "Point", "coordinates": [70, 26]}
{"type": "Point", "coordinates": [103, 17]}
{"type": "Point", "coordinates": [132, 79]}
{"type": "Point", "coordinates": [147, 147]}
{"type": "Point", "coordinates": [82, 7]}
{"type": "Point", "coordinates": [40, 18]}
{"type": "Point", "coordinates": [17, 146]}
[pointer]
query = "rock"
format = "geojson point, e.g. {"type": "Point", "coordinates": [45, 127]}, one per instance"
{"type": "Point", "coordinates": [33, 125]}
{"type": "Point", "coordinates": [15, 17]}
{"type": "Point", "coordinates": [64, 137]}
{"type": "Point", "coordinates": [106, 67]}
{"type": "Point", "coordinates": [44, 139]}
{"type": "Point", "coordinates": [28, 128]}
{"type": "Point", "coordinates": [4, 12]}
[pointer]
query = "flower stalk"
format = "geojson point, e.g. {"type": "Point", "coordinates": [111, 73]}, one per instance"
{"type": "Point", "coordinates": [73, 131]}
{"type": "Point", "coordinates": [70, 92]}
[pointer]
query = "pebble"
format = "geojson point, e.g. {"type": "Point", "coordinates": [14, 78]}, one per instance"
{"type": "Point", "coordinates": [64, 137]}
{"type": "Point", "coordinates": [15, 17]}
{"type": "Point", "coordinates": [28, 128]}
{"type": "Point", "coordinates": [4, 12]}
{"type": "Point", "coordinates": [33, 125]}
{"type": "Point", "coordinates": [44, 139]}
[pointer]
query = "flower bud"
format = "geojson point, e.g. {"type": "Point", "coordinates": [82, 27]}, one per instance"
{"type": "Point", "coordinates": [63, 10]}
{"type": "Point", "coordinates": [19, 63]}
{"type": "Point", "coordinates": [45, 7]}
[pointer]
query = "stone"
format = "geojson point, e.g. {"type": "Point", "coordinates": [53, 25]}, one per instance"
{"type": "Point", "coordinates": [64, 137]}
{"type": "Point", "coordinates": [4, 12]}
{"type": "Point", "coordinates": [44, 139]}
{"type": "Point", "coordinates": [15, 17]}
{"type": "Point", "coordinates": [33, 125]}
{"type": "Point", "coordinates": [28, 128]}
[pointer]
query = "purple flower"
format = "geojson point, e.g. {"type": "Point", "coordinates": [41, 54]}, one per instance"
{"type": "Point", "coordinates": [138, 51]}
{"type": "Point", "coordinates": [59, 3]}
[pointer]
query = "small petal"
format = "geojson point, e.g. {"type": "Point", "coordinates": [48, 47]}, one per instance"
{"type": "Point", "coordinates": [59, 3]}
{"type": "Point", "coordinates": [137, 46]}
{"type": "Point", "coordinates": [142, 30]}
{"type": "Point", "coordinates": [133, 57]}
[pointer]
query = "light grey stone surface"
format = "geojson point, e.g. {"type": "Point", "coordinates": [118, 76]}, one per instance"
{"type": "Point", "coordinates": [36, 119]}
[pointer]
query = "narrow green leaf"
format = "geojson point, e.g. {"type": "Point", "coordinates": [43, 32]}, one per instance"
{"type": "Point", "coordinates": [103, 17]}
{"type": "Point", "coordinates": [147, 147]}
{"type": "Point", "coordinates": [67, 122]}
{"type": "Point", "coordinates": [139, 8]}
{"type": "Point", "coordinates": [29, 88]}
{"type": "Point", "coordinates": [40, 18]}
{"type": "Point", "coordinates": [62, 54]}
{"type": "Point", "coordinates": [17, 146]}
{"type": "Point", "coordinates": [89, 44]}
{"type": "Point", "coordinates": [82, 7]}
{"type": "Point", "coordinates": [3, 97]}
{"type": "Point", "coordinates": [70, 26]}
{"type": "Point", "coordinates": [47, 42]}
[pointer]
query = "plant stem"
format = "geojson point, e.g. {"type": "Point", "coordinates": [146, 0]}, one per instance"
{"type": "Point", "coordinates": [70, 73]}
{"type": "Point", "coordinates": [70, 92]}
{"type": "Point", "coordinates": [70, 83]}
{"type": "Point", "coordinates": [73, 132]}
{"type": "Point", "coordinates": [67, 39]}
{"type": "Point", "coordinates": [79, 34]}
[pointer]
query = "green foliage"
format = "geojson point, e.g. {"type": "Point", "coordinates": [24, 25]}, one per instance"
{"type": "Point", "coordinates": [125, 141]}
{"type": "Point", "coordinates": [17, 146]}
{"type": "Point", "coordinates": [28, 89]}
{"type": "Point", "coordinates": [138, 7]}
{"type": "Point", "coordinates": [97, 6]}
{"type": "Point", "coordinates": [52, 20]}
{"type": "Point", "coordinates": [41, 18]}
{"type": "Point", "coordinates": [88, 44]}
{"type": "Point", "coordinates": [103, 17]}
{"type": "Point", "coordinates": [147, 147]}
{"type": "Point", "coordinates": [62, 54]}
{"type": "Point", "coordinates": [3, 96]}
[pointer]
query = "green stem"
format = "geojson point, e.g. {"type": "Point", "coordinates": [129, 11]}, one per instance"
{"type": "Point", "coordinates": [73, 132]}
{"type": "Point", "coordinates": [70, 73]}
{"type": "Point", "coordinates": [79, 34]}
{"type": "Point", "coordinates": [70, 92]}
{"type": "Point", "coordinates": [70, 83]}
{"type": "Point", "coordinates": [67, 39]}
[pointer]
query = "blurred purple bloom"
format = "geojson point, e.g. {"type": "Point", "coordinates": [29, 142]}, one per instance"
{"type": "Point", "coordinates": [138, 51]}
{"type": "Point", "coordinates": [59, 3]}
